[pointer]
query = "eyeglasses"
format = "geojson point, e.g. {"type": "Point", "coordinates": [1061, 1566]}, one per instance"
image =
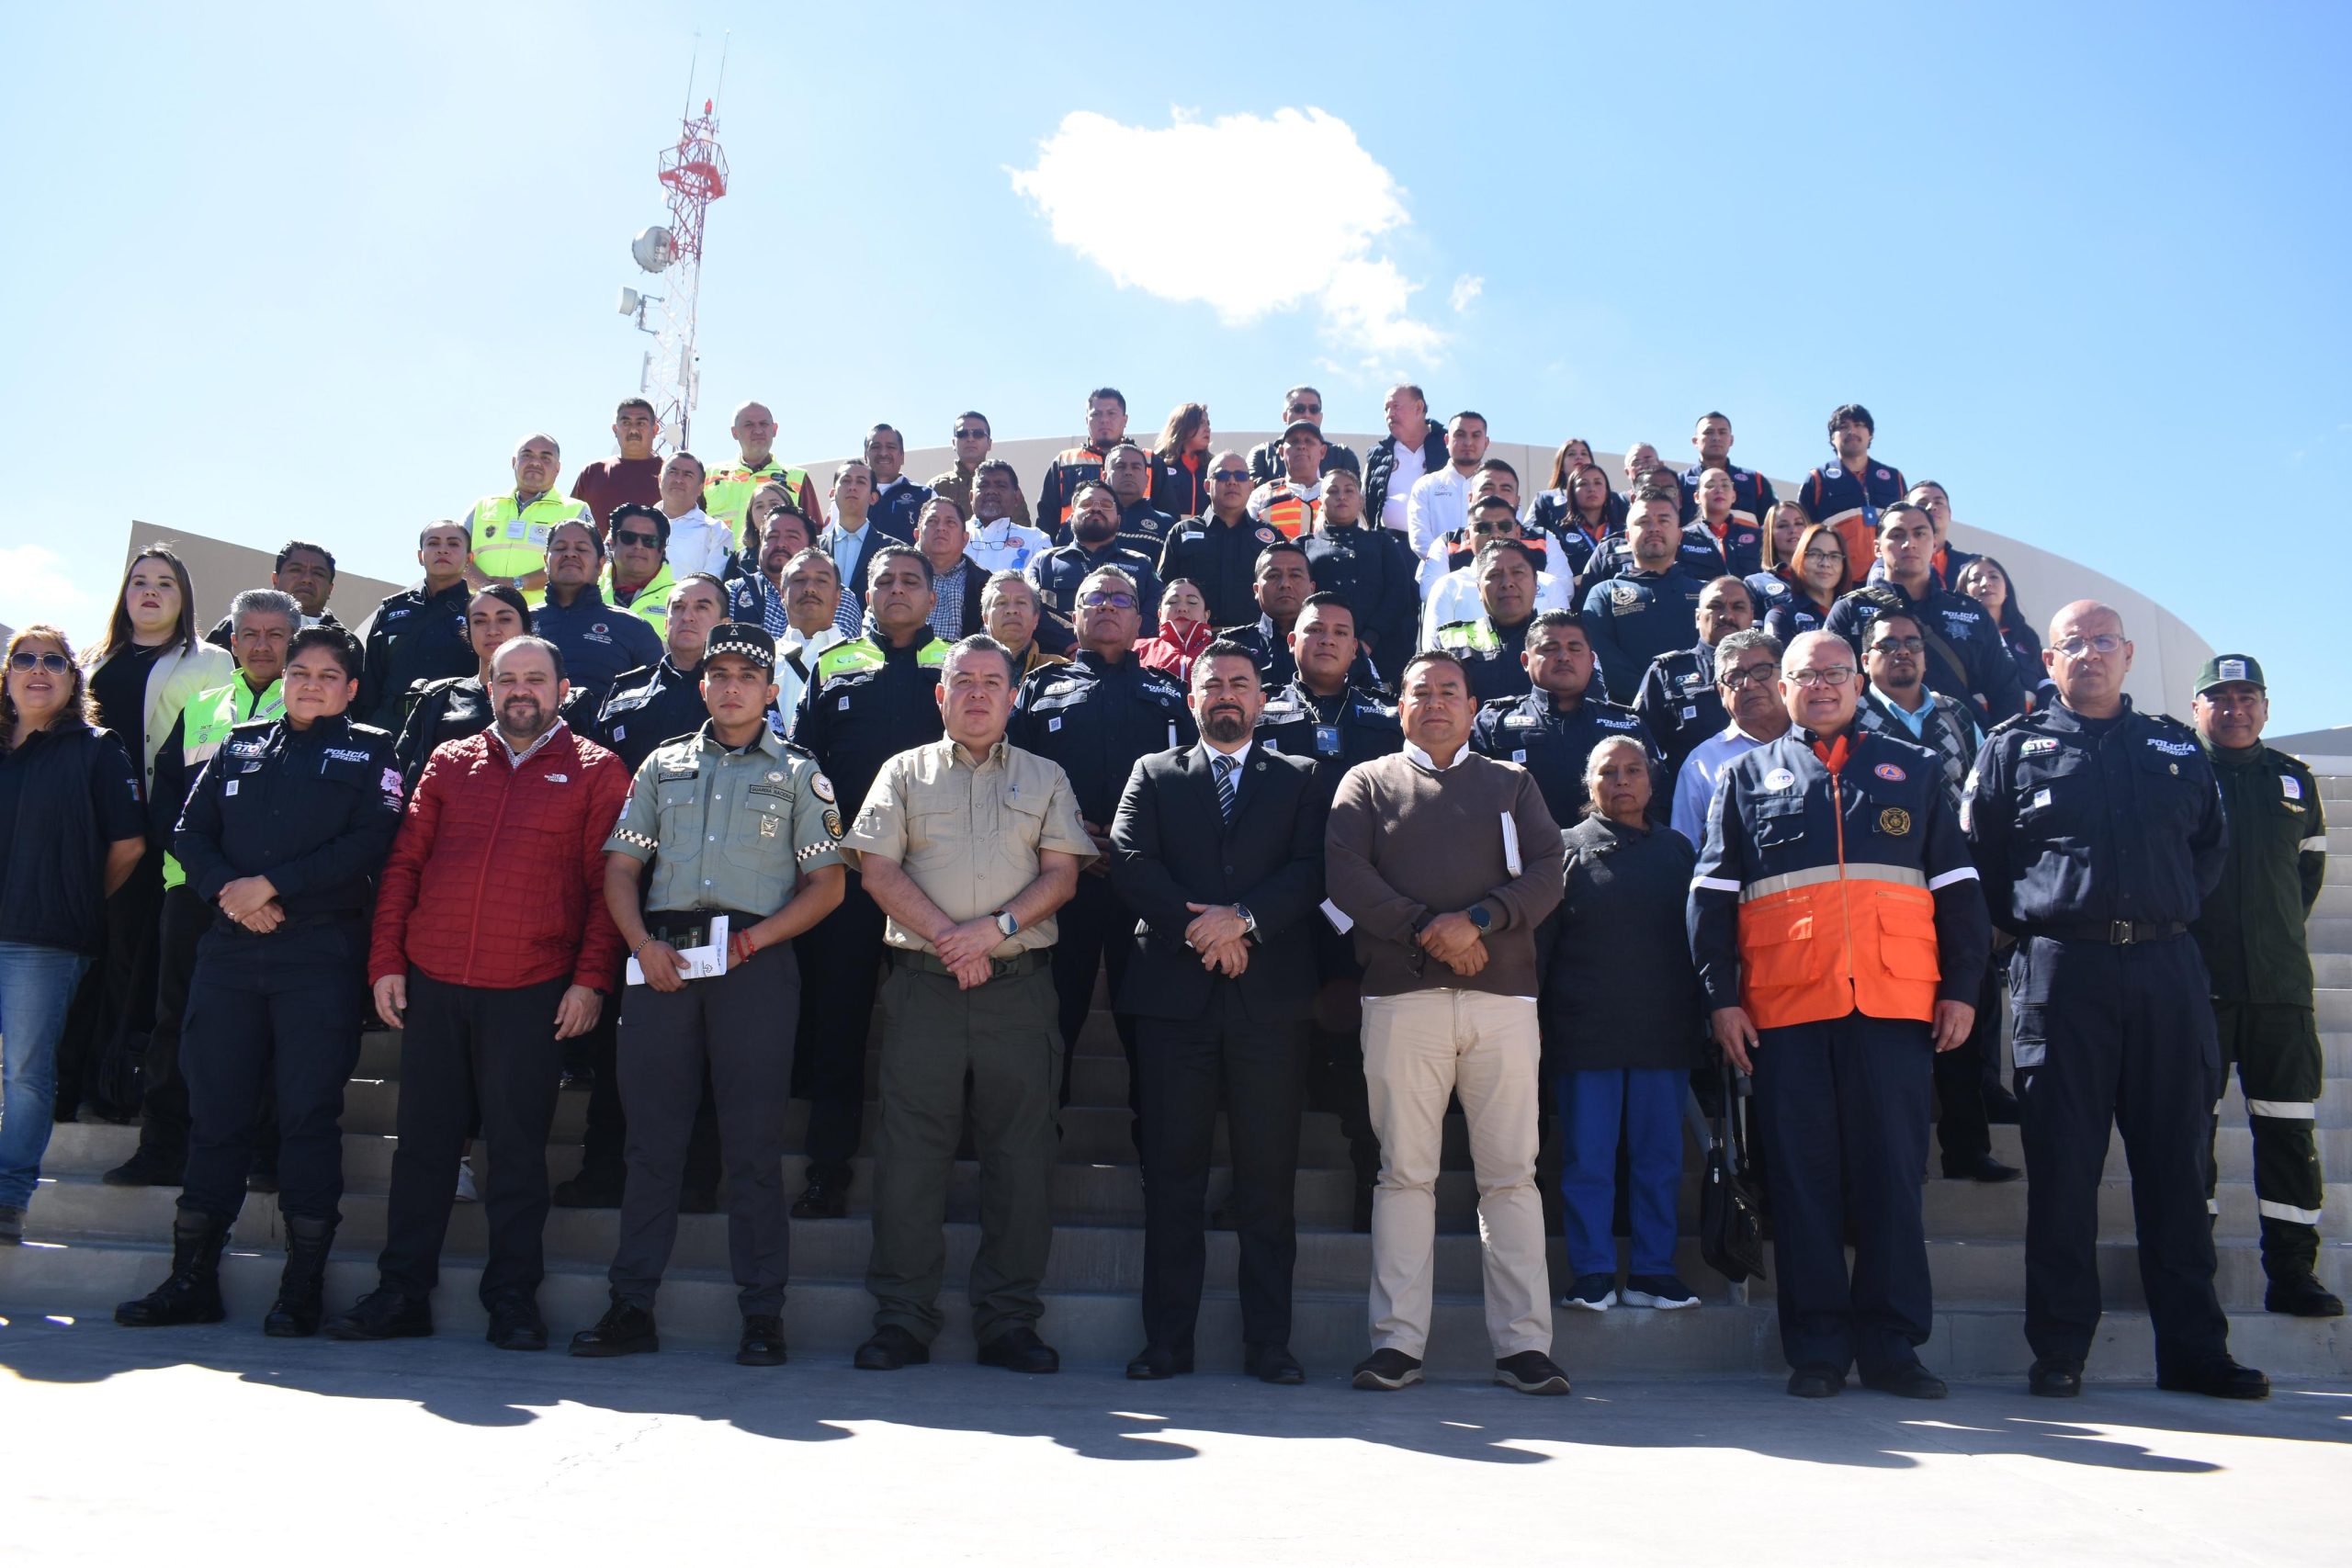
{"type": "Point", "coordinates": [971, 436]}
{"type": "Point", "coordinates": [1754, 675]}
{"type": "Point", "coordinates": [1108, 600]}
{"type": "Point", "coordinates": [1835, 676]}
{"type": "Point", "coordinates": [650, 541]}
{"type": "Point", "coordinates": [1824, 558]}
{"type": "Point", "coordinates": [1231, 476]}
{"type": "Point", "coordinates": [2104, 643]}
{"type": "Point", "coordinates": [55, 663]}
{"type": "Point", "coordinates": [1489, 526]}
{"type": "Point", "coordinates": [1300, 411]}
{"type": "Point", "coordinates": [1900, 644]}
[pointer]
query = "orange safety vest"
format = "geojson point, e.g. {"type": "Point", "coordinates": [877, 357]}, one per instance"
{"type": "Point", "coordinates": [1832, 939]}
{"type": "Point", "coordinates": [1289, 512]}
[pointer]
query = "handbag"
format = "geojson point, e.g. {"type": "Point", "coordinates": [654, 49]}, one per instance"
{"type": "Point", "coordinates": [1731, 1208]}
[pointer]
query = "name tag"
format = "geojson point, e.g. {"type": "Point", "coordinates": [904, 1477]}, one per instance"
{"type": "Point", "coordinates": [1327, 741]}
{"type": "Point", "coordinates": [2293, 787]}
{"type": "Point", "coordinates": [1053, 724]}
{"type": "Point", "coordinates": [2040, 797]}
{"type": "Point", "coordinates": [232, 787]}
{"type": "Point", "coordinates": [1519, 757]}
{"type": "Point", "coordinates": [1172, 733]}
{"type": "Point", "coordinates": [620, 732]}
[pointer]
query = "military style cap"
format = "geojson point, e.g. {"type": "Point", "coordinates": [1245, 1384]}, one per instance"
{"type": "Point", "coordinates": [2225, 667]}
{"type": "Point", "coordinates": [744, 641]}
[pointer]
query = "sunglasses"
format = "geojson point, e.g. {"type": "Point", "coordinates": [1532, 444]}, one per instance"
{"type": "Point", "coordinates": [1490, 527]}
{"type": "Point", "coordinates": [1300, 411]}
{"type": "Point", "coordinates": [1231, 476]}
{"type": "Point", "coordinates": [55, 663]}
{"type": "Point", "coordinates": [650, 541]}
{"type": "Point", "coordinates": [971, 436]}
{"type": "Point", "coordinates": [1108, 600]}
{"type": "Point", "coordinates": [1900, 645]}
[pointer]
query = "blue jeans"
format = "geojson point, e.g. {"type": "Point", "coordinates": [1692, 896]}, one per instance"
{"type": "Point", "coordinates": [35, 988]}
{"type": "Point", "coordinates": [1647, 1104]}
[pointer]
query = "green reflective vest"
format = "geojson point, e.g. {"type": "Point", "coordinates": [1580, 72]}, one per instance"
{"type": "Point", "coordinates": [726, 494]}
{"type": "Point", "coordinates": [509, 541]}
{"type": "Point", "coordinates": [1468, 637]}
{"type": "Point", "coordinates": [863, 653]}
{"type": "Point", "coordinates": [205, 726]}
{"type": "Point", "coordinates": [651, 603]}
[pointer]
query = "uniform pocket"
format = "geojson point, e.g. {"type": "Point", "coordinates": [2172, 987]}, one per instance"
{"type": "Point", "coordinates": [1907, 940]}
{"type": "Point", "coordinates": [1773, 939]}
{"type": "Point", "coordinates": [2028, 1036]}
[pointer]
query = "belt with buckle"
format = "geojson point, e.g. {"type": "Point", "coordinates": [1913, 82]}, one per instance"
{"type": "Point", "coordinates": [1027, 963]}
{"type": "Point", "coordinates": [2113, 933]}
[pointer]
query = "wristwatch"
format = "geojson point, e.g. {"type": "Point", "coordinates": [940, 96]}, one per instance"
{"type": "Point", "coordinates": [1006, 923]}
{"type": "Point", "coordinates": [1479, 918]}
{"type": "Point", "coordinates": [1249, 921]}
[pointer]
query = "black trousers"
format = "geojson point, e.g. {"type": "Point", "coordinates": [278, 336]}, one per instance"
{"type": "Point", "coordinates": [164, 1127]}
{"type": "Point", "coordinates": [1257, 1072]}
{"type": "Point", "coordinates": [117, 999]}
{"type": "Point", "coordinates": [604, 1142]}
{"type": "Point", "coordinates": [842, 952]}
{"type": "Point", "coordinates": [2117, 1037]}
{"type": "Point", "coordinates": [1961, 1129]}
{"type": "Point", "coordinates": [733, 1031]}
{"type": "Point", "coordinates": [1845, 1104]}
{"type": "Point", "coordinates": [1094, 929]}
{"type": "Point", "coordinates": [472, 1056]}
{"type": "Point", "coordinates": [277, 1010]}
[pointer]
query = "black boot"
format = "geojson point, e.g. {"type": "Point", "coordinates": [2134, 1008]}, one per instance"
{"type": "Point", "coordinates": [301, 1289]}
{"type": "Point", "coordinates": [192, 1294]}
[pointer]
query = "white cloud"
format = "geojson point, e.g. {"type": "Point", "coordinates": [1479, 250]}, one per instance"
{"type": "Point", "coordinates": [1466, 287]}
{"type": "Point", "coordinates": [1087, 181]}
{"type": "Point", "coordinates": [37, 583]}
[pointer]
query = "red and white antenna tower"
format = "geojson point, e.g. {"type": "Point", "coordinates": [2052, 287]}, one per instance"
{"type": "Point", "coordinates": [693, 172]}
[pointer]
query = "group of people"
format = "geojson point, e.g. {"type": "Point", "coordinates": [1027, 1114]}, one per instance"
{"type": "Point", "coordinates": [1374, 786]}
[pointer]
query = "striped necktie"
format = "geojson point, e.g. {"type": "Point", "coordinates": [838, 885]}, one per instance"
{"type": "Point", "coordinates": [1223, 766]}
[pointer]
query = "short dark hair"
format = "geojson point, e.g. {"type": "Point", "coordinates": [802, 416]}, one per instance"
{"type": "Point", "coordinates": [290, 545]}
{"type": "Point", "coordinates": [881, 430]}
{"type": "Point", "coordinates": [1431, 656]}
{"type": "Point", "coordinates": [873, 562]}
{"type": "Point", "coordinates": [1738, 583]}
{"type": "Point", "coordinates": [1487, 502]}
{"type": "Point", "coordinates": [1711, 414]}
{"type": "Point", "coordinates": [628, 403]}
{"type": "Point", "coordinates": [996, 465]}
{"type": "Point", "coordinates": [508, 594]}
{"type": "Point", "coordinates": [1291, 396]}
{"type": "Point", "coordinates": [437, 523]}
{"type": "Point", "coordinates": [700, 467]}
{"type": "Point", "coordinates": [694, 576]}
{"type": "Point", "coordinates": [554, 654]}
{"type": "Point", "coordinates": [1468, 413]}
{"type": "Point", "coordinates": [1888, 515]}
{"type": "Point", "coordinates": [1493, 547]}
{"type": "Point", "coordinates": [1324, 599]}
{"type": "Point", "coordinates": [1097, 483]}
{"type": "Point", "coordinates": [979, 642]}
{"type": "Point", "coordinates": [1225, 647]}
{"type": "Point", "coordinates": [974, 413]}
{"type": "Point", "coordinates": [1556, 620]}
{"type": "Point", "coordinates": [1279, 547]}
{"type": "Point", "coordinates": [1498, 466]}
{"type": "Point", "coordinates": [340, 644]}
{"type": "Point", "coordinates": [595, 541]}
{"type": "Point", "coordinates": [1112, 393]}
{"type": "Point", "coordinates": [936, 502]}
{"type": "Point", "coordinates": [1648, 493]}
{"type": "Point", "coordinates": [653, 515]}
{"type": "Point", "coordinates": [1118, 447]}
{"type": "Point", "coordinates": [1852, 413]}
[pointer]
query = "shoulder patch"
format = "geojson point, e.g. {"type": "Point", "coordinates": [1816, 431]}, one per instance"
{"type": "Point", "coordinates": [1890, 772]}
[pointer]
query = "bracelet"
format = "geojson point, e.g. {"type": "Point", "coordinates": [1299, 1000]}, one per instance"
{"type": "Point", "coordinates": [639, 951]}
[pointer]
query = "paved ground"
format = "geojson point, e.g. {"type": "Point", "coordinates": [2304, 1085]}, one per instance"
{"type": "Point", "coordinates": [119, 1444]}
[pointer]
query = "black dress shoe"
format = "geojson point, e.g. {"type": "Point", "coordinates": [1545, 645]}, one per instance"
{"type": "Point", "coordinates": [698, 1201]}
{"type": "Point", "coordinates": [1271, 1363]}
{"type": "Point", "coordinates": [624, 1330]}
{"type": "Point", "coordinates": [821, 1200]}
{"type": "Point", "coordinates": [2056, 1379]}
{"type": "Point", "coordinates": [1816, 1383]}
{"type": "Point", "coordinates": [1020, 1350]}
{"type": "Point", "coordinates": [2223, 1378]}
{"type": "Point", "coordinates": [763, 1341]}
{"type": "Point", "coordinates": [2296, 1296]}
{"type": "Point", "coordinates": [384, 1314]}
{"type": "Point", "coordinates": [1983, 1168]}
{"type": "Point", "coordinates": [515, 1322]}
{"type": "Point", "coordinates": [148, 1167]}
{"type": "Point", "coordinates": [1156, 1361]}
{"type": "Point", "coordinates": [2001, 1108]}
{"type": "Point", "coordinates": [589, 1189]}
{"type": "Point", "coordinates": [890, 1348]}
{"type": "Point", "coordinates": [1910, 1380]}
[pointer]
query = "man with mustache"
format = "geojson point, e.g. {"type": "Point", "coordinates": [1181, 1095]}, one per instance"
{"type": "Point", "coordinates": [1219, 849]}
{"type": "Point", "coordinates": [599, 641]}
{"type": "Point", "coordinates": [810, 592]}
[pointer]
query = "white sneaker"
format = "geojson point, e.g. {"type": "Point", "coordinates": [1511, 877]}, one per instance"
{"type": "Point", "coordinates": [466, 1193]}
{"type": "Point", "coordinates": [1661, 1291]}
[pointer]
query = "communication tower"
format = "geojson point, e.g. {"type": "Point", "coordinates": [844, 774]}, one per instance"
{"type": "Point", "coordinates": [693, 173]}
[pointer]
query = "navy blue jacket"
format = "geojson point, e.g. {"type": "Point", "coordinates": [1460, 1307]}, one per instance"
{"type": "Point", "coordinates": [1224, 560]}
{"type": "Point", "coordinates": [1056, 574]}
{"type": "Point", "coordinates": [1752, 495]}
{"type": "Point", "coordinates": [1987, 677]}
{"type": "Point", "coordinates": [1097, 719]}
{"type": "Point", "coordinates": [1351, 725]}
{"type": "Point", "coordinates": [314, 810]}
{"type": "Point", "coordinates": [1531, 731]}
{"type": "Point", "coordinates": [1633, 618]}
{"type": "Point", "coordinates": [1679, 702]}
{"type": "Point", "coordinates": [855, 722]}
{"type": "Point", "coordinates": [599, 642]}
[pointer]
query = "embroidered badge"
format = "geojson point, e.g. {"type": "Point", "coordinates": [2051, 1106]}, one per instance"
{"type": "Point", "coordinates": [2038, 745]}
{"type": "Point", "coordinates": [821, 788]}
{"type": "Point", "coordinates": [1895, 821]}
{"type": "Point", "coordinates": [1890, 772]}
{"type": "Point", "coordinates": [2293, 788]}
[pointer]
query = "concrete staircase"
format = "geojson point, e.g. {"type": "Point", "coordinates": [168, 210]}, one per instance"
{"type": "Point", "coordinates": [94, 1246]}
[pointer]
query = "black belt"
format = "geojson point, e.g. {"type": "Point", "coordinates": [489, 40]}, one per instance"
{"type": "Point", "coordinates": [2114, 933]}
{"type": "Point", "coordinates": [1027, 963]}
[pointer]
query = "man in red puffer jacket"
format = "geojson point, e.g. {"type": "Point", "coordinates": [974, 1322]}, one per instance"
{"type": "Point", "coordinates": [500, 855]}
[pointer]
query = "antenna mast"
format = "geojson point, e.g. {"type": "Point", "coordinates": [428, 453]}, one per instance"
{"type": "Point", "coordinates": [693, 173]}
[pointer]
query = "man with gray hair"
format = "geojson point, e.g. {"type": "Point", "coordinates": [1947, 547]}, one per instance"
{"type": "Point", "coordinates": [1748, 673]}
{"type": "Point", "coordinates": [969, 845]}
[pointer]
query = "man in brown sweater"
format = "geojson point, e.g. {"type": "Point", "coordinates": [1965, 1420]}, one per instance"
{"type": "Point", "coordinates": [1445, 862]}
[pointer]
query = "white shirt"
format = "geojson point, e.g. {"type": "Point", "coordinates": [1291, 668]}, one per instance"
{"type": "Point", "coordinates": [846, 547]}
{"type": "Point", "coordinates": [1438, 506]}
{"type": "Point", "coordinates": [533, 749]}
{"type": "Point", "coordinates": [1006, 546]}
{"type": "Point", "coordinates": [1455, 598]}
{"type": "Point", "coordinates": [698, 543]}
{"type": "Point", "coordinates": [1404, 471]}
{"type": "Point", "coordinates": [1694, 786]}
{"type": "Point", "coordinates": [1414, 753]}
{"type": "Point", "coordinates": [789, 681]}
{"type": "Point", "coordinates": [1239, 758]}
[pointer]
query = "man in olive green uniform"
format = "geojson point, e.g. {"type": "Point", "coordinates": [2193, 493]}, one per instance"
{"type": "Point", "coordinates": [728, 821]}
{"type": "Point", "coordinates": [969, 845]}
{"type": "Point", "coordinates": [2251, 931]}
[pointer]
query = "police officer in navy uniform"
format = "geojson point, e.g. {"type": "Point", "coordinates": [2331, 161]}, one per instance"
{"type": "Point", "coordinates": [866, 701]}
{"type": "Point", "coordinates": [1652, 606]}
{"type": "Point", "coordinates": [1840, 939]}
{"type": "Point", "coordinates": [1143, 528]}
{"type": "Point", "coordinates": [1552, 729]}
{"type": "Point", "coordinates": [1967, 656]}
{"type": "Point", "coordinates": [283, 835]}
{"type": "Point", "coordinates": [2099, 832]}
{"type": "Point", "coordinates": [419, 634]}
{"type": "Point", "coordinates": [1284, 583]}
{"type": "Point", "coordinates": [2258, 951]}
{"type": "Point", "coordinates": [599, 641]}
{"type": "Point", "coordinates": [649, 707]}
{"type": "Point", "coordinates": [1677, 700]}
{"type": "Point", "coordinates": [1752, 491]}
{"type": "Point", "coordinates": [1095, 542]}
{"type": "Point", "coordinates": [1370, 567]}
{"type": "Point", "coordinates": [1849, 494]}
{"type": "Point", "coordinates": [1220, 549]}
{"type": "Point", "coordinates": [1096, 717]}
{"type": "Point", "coordinates": [1322, 716]}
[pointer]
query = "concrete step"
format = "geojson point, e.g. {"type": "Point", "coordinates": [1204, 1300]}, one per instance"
{"type": "Point", "coordinates": [1971, 1211]}
{"type": "Point", "coordinates": [2334, 900]}
{"type": "Point", "coordinates": [1991, 1272]}
{"type": "Point", "coordinates": [2334, 1105]}
{"type": "Point", "coordinates": [2339, 839]}
{"type": "Point", "coordinates": [2333, 969]}
{"type": "Point", "coordinates": [2333, 1005]}
{"type": "Point", "coordinates": [2336, 786]}
{"type": "Point", "coordinates": [2232, 1150]}
{"type": "Point", "coordinates": [2329, 934]}
{"type": "Point", "coordinates": [1097, 1331]}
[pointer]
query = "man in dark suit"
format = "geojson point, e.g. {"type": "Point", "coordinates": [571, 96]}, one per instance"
{"type": "Point", "coordinates": [1221, 985]}
{"type": "Point", "coordinates": [853, 537]}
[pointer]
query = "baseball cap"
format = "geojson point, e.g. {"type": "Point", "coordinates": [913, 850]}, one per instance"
{"type": "Point", "coordinates": [2225, 667]}
{"type": "Point", "coordinates": [1308, 425]}
{"type": "Point", "coordinates": [743, 641]}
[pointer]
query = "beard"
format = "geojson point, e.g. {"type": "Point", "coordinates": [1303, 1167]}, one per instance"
{"type": "Point", "coordinates": [1226, 726]}
{"type": "Point", "coordinates": [522, 716]}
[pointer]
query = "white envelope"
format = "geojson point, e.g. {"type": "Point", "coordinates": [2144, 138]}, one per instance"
{"type": "Point", "coordinates": [695, 962]}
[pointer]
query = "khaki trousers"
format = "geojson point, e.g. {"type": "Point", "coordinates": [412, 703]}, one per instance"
{"type": "Point", "coordinates": [1418, 1050]}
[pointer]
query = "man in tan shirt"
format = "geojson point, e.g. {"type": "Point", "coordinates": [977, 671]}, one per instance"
{"type": "Point", "coordinates": [969, 845]}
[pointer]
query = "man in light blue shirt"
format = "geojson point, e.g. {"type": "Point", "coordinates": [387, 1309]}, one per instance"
{"type": "Point", "coordinates": [1747, 670]}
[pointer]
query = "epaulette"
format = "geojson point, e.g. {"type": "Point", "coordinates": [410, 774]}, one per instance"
{"type": "Point", "coordinates": [258, 726]}
{"type": "Point", "coordinates": [2007, 724]}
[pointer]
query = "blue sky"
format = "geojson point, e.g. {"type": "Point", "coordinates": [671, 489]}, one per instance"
{"type": "Point", "coordinates": [313, 269]}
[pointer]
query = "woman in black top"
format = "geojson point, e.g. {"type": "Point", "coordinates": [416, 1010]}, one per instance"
{"type": "Point", "coordinates": [72, 829]}
{"type": "Point", "coordinates": [459, 707]}
{"type": "Point", "coordinates": [1623, 1026]}
{"type": "Point", "coordinates": [1822, 574]}
{"type": "Point", "coordinates": [1986, 581]}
